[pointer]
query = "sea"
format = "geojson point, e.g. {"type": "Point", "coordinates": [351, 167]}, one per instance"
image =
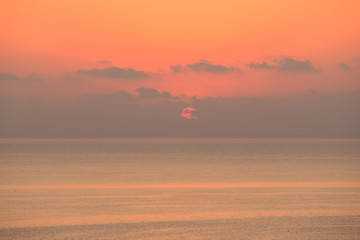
{"type": "Point", "coordinates": [188, 189]}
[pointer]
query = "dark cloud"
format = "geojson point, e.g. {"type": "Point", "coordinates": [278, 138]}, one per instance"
{"type": "Point", "coordinates": [290, 65]}
{"type": "Point", "coordinates": [177, 68]}
{"type": "Point", "coordinates": [119, 96]}
{"type": "Point", "coordinates": [8, 76]}
{"type": "Point", "coordinates": [104, 62]}
{"type": "Point", "coordinates": [31, 78]}
{"type": "Point", "coordinates": [344, 66]}
{"type": "Point", "coordinates": [126, 97]}
{"type": "Point", "coordinates": [284, 64]}
{"type": "Point", "coordinates": [206, 66]}
{"type": "Point", "coordinates": [115, 72]}
{"type": "Point", "coordinates": [151, 93]}
{"type": "Point", "coordinates": [260, 66]}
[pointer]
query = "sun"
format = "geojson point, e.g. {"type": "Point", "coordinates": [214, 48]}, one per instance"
{"type": "Point", "coordinates": [186, 113]}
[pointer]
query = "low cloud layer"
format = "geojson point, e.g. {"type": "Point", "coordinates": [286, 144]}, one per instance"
{"type": "Point", "coordinates": [151, 93]}
{"type": "Point", "coordinates": [177, 68]}
{"type": "Point", "coordinates": [123, 97]}
{"type": "Point", "coordinates": [292, 65]}
{"type": "Point", "coordinates": [115, 72]}
{"type": "Point", "coordinates": [260, 66]}
{"type": "Point", "coordinates": [11, 77]}
{"type": "Point", "coordinates": [151, 113]}
{"type": "Point", "coordinates": [8, 76]}
{"type": "Point", "coordinates": [119, 97]}
{"type": "Point", "coordinates": [344, 66]}
{"type": "Point", "coordinates": [204, 66]}
{"type": "Point", "coordinates": [284, 64]}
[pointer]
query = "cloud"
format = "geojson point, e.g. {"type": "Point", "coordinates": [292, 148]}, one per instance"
{"type": "Point", "coordinates": [204, 66]}
{"type": "Point", "coordinates": [284, 64]}
{"type": "Point", "coordinates": [177, 68]}
{"type": "Point", "coordinates": [31, 78]}
{"type": "Point", "coordinates": [151, 93]}
{"type": "Point", "coordinates": [344, 66]}
{"type": "Point", "coordinates": [290, 65]}
{"type": "Point", "coordinates": [104, 62]}
{"type": "Point", "coordinates": [260, 66]}
{"type": "Point", "coordinates": [119, 96]}
{"type": "Point", "coordinates": [8, 76]}
{"type": "Point", "coordinates": [126, 97]}
{"type": "Point", "coordinates": [115, 72]}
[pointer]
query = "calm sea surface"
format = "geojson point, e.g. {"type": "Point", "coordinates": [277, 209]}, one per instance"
{"type": "Point", "coordinates": [180, 189]}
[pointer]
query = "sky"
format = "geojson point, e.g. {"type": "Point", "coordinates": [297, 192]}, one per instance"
{"type": "Point", "coordinates": [111, 68]}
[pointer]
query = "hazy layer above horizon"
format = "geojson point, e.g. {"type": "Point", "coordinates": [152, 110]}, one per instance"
{"type": "Point", "coordinates": [319, 115]}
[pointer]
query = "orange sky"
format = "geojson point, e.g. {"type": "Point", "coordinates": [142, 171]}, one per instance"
{"type": "Point", "coordinates": [56, 38]}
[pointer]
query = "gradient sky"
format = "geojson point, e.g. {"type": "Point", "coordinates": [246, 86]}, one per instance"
{"type": "Point", "coordinates": [182, 52]}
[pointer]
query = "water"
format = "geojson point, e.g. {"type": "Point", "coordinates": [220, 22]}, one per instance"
{"type": "Point", "coordinates": [180, 189]}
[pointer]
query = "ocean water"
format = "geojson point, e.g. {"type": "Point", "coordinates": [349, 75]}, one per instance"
{"type": "Point", "coordinates": [180, 189]}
